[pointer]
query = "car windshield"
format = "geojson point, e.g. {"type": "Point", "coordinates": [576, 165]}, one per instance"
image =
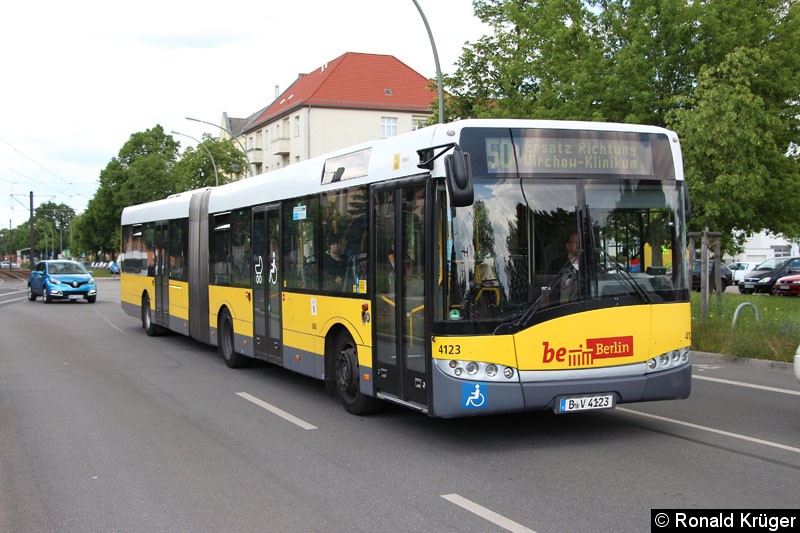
{"type": "Point", "coordinates": [67, 268]}
{"type": "Point", "coordinates": [771, 264]}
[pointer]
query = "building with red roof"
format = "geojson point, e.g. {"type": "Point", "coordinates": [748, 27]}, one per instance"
{"type": "Point", "coordinates": [351, 99]}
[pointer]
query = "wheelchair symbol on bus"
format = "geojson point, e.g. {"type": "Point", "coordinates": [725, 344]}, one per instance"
{"type": "Point", "coordinates": [473, 396]}
{"type": "Point", "coordinates": [273, 270]}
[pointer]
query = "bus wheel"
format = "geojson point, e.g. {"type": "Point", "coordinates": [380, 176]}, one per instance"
{"type": "Point", "coordinates": [225, 344]}
{"type": "Point", "coordinates": [147, 318]}
{"type": "Point", "coordinates": [346, 376]}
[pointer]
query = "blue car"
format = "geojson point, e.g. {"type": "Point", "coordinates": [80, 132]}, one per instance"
{"type": "Point", "coordinates": [61, 280]}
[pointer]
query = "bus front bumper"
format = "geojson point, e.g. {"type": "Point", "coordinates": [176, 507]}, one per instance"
{"type": "Point", "coordinates": [453, 397]}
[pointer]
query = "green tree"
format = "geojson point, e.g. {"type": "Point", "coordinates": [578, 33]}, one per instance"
{"type": "Point", "coordinates": [143, 171]}
{"type": "Point", "coordinates": [195, 169]}
{"type": "Point", "coordinates": [59, 216]}
{"type": "Point", "coordinates": [735, 159]}
{"type": "Point", "coordinates": [657, 62]}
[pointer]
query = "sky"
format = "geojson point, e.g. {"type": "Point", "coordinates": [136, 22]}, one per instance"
{"type": "Point", "coordinates": [80, 77]}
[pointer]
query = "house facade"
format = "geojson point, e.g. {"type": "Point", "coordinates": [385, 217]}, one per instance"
{"type": "Point", "coordinates": [349, 100]}
{"type": "Point", "coordinates": [763, 246]}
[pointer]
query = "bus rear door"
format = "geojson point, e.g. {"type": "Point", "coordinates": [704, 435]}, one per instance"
{"type": "Point", "coordinates": [266, 283]}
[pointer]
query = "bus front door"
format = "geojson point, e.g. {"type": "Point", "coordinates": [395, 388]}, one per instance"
{"type": "Point", "coordinates": [266, 284]}
{"type": "Point", "coordinates": [400, 347]}
{"type": "Point", "coordinates": [162, 273]}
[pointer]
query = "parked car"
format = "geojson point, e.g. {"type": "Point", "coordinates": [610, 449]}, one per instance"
{"type": "Point", "coordinates": [725, 274]}
{"type": "Point", "coordinates": [61, 280]}
{"type": "Point", "coordinates": [763, 277]}
{"type": "Point", "coordinates": [788, 285]}
{"type": "Point", "coordinates": [740, 268]}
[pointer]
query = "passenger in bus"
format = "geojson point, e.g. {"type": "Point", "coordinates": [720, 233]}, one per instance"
{"type": "Point", "coordinates": [333, 265]}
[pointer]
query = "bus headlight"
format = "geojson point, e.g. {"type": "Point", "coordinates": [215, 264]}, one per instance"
{"type": "Point", "coordinates": [667, 360]}
{"type": "Point", "coordinates": [476, 370]}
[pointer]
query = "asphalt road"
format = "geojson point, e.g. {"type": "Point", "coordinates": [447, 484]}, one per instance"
{"type": "Point", "coordinates": [105, 429]}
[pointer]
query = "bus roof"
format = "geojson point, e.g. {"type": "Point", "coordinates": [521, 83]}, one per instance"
{"type": "Point", "coordinates": [387, 159]}
{"type": "Point", "coordinates": [173, 206]}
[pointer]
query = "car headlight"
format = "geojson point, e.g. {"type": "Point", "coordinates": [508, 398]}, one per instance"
{"type": "Point", "coordinates": [54, 281]}
{"type": "Point", "coordinates": [91, 280]}
{"type": "Point", "coordinates": [764, 281]}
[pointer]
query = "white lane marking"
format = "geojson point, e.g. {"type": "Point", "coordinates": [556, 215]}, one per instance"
{"type": "Point", "coordinates": [14, 300]}
{"type": "Point", "coordinates": [277, 411]}
{"type": "Point", "coordinates": [486, 514]}
{"type": "Point", "coordinates": [713, 430]}
{"type": "Point", "coordinates": [15, 292]}
{"type": "Point", "coordinates": [109, 322]}
{"type": "Point", "coordinates": [749, 385]}
{"type": "Point", "coordinates": [705, 367]}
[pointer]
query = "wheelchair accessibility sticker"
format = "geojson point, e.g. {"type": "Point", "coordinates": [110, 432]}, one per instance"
{"type": "Point", "coordinates": [473, 395]}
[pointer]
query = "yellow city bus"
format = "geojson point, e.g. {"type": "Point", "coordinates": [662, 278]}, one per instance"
{"type": "Point", "coordinates": [476, 267]}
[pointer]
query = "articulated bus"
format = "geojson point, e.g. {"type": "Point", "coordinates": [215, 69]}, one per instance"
{"type": "Point", "coordinates": [476, 267]}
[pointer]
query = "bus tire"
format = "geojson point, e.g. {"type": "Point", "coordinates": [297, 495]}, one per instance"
{"type": "Point", "coordinates": [149, 326]}
{"type": "Point", "coordinates": [346, 377]}
{"type": "Point", "coordinates": [225, 343]}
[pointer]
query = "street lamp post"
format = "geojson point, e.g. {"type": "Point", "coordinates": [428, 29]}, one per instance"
{"type": "Point", "coordinates": [52, 235]}
{"type": "Point", "coordinates": [213, 163]}
{"type": "Point", "coordinates": [234, 137]}
{"type": "Point", "coordinates": [436, 60]}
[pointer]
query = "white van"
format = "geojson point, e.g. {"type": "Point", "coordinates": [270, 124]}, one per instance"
{"type": "Point", "coordinates": [739, 269]}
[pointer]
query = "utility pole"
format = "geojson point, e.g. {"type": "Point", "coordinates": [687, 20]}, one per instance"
{"type": "Point", "coordinates": [30, 238]}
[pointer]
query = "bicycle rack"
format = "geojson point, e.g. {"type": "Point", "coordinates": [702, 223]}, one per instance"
{"type": "Point", "coordinates": [739, 307]}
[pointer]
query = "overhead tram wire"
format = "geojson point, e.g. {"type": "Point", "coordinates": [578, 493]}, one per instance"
{"type": "Point", "coordinates": [23, 154]}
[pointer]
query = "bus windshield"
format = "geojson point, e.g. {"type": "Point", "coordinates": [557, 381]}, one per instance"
{"type": "Point", "coordinates": [529, 247]}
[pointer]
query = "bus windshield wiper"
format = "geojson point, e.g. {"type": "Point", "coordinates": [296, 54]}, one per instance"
{"type": "Point", "coordinates": [521, 321]}
{"type": "Point", "coordinates": [624, 274]}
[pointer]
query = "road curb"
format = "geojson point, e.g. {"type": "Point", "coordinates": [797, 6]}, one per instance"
{"type": "Point", "coordinates": [753, 363]}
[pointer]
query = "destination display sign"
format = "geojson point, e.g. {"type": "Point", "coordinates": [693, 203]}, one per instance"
{"type": "Point", "coordinates": [561, 155]}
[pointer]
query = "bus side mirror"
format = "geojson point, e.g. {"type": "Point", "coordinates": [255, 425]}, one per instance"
{"type": "Point", "coordinates": [459, 178]}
